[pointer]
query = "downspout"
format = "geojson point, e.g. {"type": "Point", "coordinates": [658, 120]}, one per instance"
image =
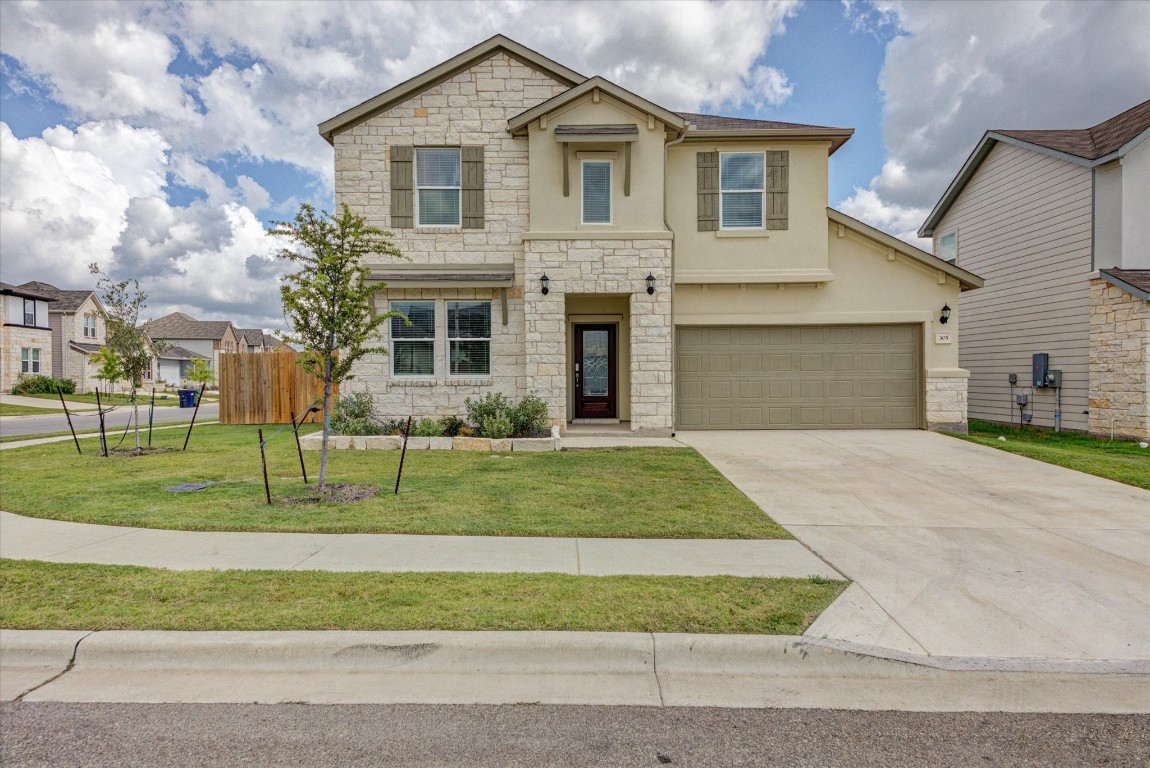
{"type": "Point", "coordinates": [677, 140]}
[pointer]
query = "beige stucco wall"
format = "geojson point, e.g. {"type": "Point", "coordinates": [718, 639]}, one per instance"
{"type": "Point", "coordinates": [1119, 362]}
{"type": "Point", "coordinates": [642, 211]}
{"type": "Point", "coordinates": [793, 254]}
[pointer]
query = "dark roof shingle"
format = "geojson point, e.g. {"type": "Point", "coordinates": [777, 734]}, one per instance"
{"type": "Point", "coordinates": [181, 326]}
{"type": "Point", "coordinates": [718, 123]}
{"type": "Point", "coordinates": [1091, 143]}
{"type": "Point", "coordinates": [66, 301]}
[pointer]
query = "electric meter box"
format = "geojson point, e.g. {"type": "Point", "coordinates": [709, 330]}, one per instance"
{"type": "Point", "coordinates": [1041, 366]}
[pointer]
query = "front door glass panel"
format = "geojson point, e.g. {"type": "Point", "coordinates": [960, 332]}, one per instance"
{"type": "Point", "coordinates": [595, 353]}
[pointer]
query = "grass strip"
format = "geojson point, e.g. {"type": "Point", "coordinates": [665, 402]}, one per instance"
{"type": "Point", "coordinates": [9, 409]}
{"type": "Point", "coordinates": [623, 493]}
{"type": "Point", "coordinates": [39, 595]}
{"type": "Point", "coordinates": [1118, 460]}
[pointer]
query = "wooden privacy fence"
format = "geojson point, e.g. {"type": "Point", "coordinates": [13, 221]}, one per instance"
{"type": "Point", "coordinates": [265, 388]}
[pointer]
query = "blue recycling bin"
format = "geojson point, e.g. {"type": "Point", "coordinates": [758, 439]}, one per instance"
{"type": "Point", "coordinates": [187, 398]}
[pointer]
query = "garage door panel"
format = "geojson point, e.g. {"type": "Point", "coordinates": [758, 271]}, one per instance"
{"type": "Point", "coordinates": [799, 377]}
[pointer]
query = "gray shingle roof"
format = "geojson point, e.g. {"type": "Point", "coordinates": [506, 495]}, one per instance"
{"type": "Point", "coordinates": [181, 326]}
{"type": "Point", "coordinates": [719, 123]}
{"type": "Point", "coordinates": [66, 301]}
{"type": "Point", "coordinates": [24, 292]}
{"type": "Point", "coordinates": [178, 353]}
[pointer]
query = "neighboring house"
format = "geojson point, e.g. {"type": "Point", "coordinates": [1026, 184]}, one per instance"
{"type": "Point", "coordinates": [26, 342]}
{"type": "Point", "coordinates": [252, 340]}
{"type": "Point", "coordinates": [1058, 223]}
{"type": "Point", "coordinates": [78, 333]}
{"type": "Point", "coordinates": [174, 363]}
{"type": "Point", "coordinates": [630, 263]}
{"type": "Point", "coordinates": [197, 338]}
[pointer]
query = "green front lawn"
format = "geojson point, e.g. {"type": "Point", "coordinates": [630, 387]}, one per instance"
{"type": "Point", "coordinates": [7, 409]}
{"type": "Point", "coordinates": [1117, 460]}
{"type": "Point", "coordinates": [35, 595]}
{"type": "Point", "coordinates": [627, 493]}
{"type": "Point", "coordinates": [144, 398]}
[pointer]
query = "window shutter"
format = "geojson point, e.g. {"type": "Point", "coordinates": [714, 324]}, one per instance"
{"type": "Point", "coordinates": [778, 171]}
{"type": "Point", "coordinates": [707, 188]}
{"type": "Point", "coordinates": [472, 160]}
{"type": "Point", "coordinates": [402, 206]}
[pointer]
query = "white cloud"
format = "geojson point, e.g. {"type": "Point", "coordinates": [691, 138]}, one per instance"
{"type": "Point", "coordinates": [957, 70]}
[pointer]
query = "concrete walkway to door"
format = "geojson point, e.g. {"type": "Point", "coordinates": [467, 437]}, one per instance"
{"type": "Point", "coordinates": [956, 549]}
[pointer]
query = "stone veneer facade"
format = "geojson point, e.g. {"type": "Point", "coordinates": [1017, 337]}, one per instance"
{"type": "Point", "coordinates": [946, 404]}
{"type": "Point", "coordinates": [17, 337]}
{"type": "Point", "coordinates": [1119, 362]}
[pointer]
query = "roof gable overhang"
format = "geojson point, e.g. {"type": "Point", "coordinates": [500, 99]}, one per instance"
{"type": "Point", "coordinates": [836, 136]}
{"type": "Point", "coordinates": [518, 124]}
{"type": "Point", "coordinates": [966, 280]}
{"type": "Point", "coordinates": [983, 148]}
{"type": "Point", "coordinates": [444, 71]}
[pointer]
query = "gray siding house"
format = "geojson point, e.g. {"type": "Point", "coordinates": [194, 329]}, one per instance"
{"type": "Point", "coordinates": [1055, 221]}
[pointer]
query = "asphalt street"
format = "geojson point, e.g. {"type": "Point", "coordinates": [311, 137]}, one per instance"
{"type": "Point", "coordinates": [89, 422]}
{"type": "Point", "coordinates": [41, 734]}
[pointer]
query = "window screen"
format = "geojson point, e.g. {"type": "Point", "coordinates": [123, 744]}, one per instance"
{"type": "Point", "coordinates": [469, 337]}
{"type": "Point", "coordinates": [741, 183]}
{"type": "Point", "coordinates": [413, 346]}
{"type": "Point", "coordinates": [596, 192]}
{"type": "Point", "coordinates": [437, 178]}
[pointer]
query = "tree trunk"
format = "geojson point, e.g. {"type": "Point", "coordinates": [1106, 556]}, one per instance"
{"type": "Point", "coordinates": [136, 417]}
{"type": "Point", "coordinates": [326, 421]}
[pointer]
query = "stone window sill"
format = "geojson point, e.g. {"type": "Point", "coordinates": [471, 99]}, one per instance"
{"type": "Point", "coordinates": [467, 381]}
{"type": "Point", "coordinates": [762, 233]}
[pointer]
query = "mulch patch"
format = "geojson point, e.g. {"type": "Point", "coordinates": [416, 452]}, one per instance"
{"type": "Point", "coordinates": [335, 493]}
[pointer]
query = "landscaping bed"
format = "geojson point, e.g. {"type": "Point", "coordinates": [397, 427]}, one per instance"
{"type": "Point", "coordinates": [36, 595]}
{"type": "Point", "coordinates": [1118, 460]}
{"type": "Point", "coordinates": [620, 493]}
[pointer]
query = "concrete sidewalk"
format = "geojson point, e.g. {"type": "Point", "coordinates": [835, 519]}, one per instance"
{"type": "Point", "coordinates": [36, 402]}
{"type": "Point", "coordinates": [638, 669]}
{"type": "Point", "coordinates": [28, 538]}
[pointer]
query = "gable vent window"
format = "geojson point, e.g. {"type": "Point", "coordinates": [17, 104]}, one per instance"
{"type": "Point", "coordinates": [742, 184]}
{"type": "Point", "coordinates": [596, 192]}
{"type": "Point", "coordinates": [438, 187]}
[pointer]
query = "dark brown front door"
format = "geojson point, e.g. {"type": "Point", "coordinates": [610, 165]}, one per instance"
{"type": "Point", "coordinates": [595, 376]}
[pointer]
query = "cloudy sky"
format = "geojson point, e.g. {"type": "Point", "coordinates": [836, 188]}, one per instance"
{"type": "Point", "coordinates": [159, 139]}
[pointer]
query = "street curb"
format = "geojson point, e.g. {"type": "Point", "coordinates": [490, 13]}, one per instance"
{"type": "Point", "coordinates": [552, 667]}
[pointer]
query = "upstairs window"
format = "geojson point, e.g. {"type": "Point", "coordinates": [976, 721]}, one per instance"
{"type": "Point", "coordinates": [90, 326]}
{"type": "Point", "coordinates": [413, 346]}
{"type": "Point", "coordinates": [469, 338]}
{"type": "Point", "coordinates": [596, 192]}
{"type": "Point", "coordinates": [29, 312]}
{"type": "Point", "coordinates": [948, 247]}
{"type": "Point", "coordinates": [742, 188]}
{"type": "Point", "coordinates": [438, 183]}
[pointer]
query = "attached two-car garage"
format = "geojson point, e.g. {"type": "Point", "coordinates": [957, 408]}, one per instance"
{"type": "Point", "coordinates": [799, 377]}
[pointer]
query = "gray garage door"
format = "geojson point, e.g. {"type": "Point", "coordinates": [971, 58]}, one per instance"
{"type": "Point", "coordinates": [800, 377]}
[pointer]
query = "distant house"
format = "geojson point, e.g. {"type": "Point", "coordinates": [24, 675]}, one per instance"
{"type": "Point", "coordinates": [181, 337]}
{"type": "Point", "coordinates": [174, 363]}
{"type": "Point", "coordinates": [26, 341]}
{"type": "Point", "coordinates": [1057, 222]}
{"type": "Point", "coordinates": [78, 333]}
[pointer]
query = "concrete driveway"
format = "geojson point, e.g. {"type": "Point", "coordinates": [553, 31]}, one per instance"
{"type": "Point", "coordinates": [955, 549]}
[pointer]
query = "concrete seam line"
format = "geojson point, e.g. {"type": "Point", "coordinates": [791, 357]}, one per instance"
{"type": "Point", "coordinates": [322, 547]}
{"type": "Point", "coordinates": [1132, 667]}
{"type": "Point", "coordinates": [61, 673]}
{"type": "Point", "coordinates": [889, 615]}
{"type": "Point", "coordinates": [126, 532]}
{"type": "Point", "coordinates": [578, 559]}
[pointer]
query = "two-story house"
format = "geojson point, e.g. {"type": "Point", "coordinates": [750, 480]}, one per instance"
{"type": "Point", "coordinates": [1058, 222]}
{"type": "Point", "coordinates": [78, 333]}
{"type": "Point", "coordinates": [180, 339]}
{"type": "Point", "coordinates": [26, 341]}
{"type": "Point", "coordinates": [630, 263]}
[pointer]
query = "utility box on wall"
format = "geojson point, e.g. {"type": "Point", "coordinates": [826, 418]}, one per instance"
{"type": "Point", "coordinates": [1040, 363]}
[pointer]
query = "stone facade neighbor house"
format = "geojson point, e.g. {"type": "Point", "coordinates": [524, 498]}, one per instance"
{"type": "Point", "coordinates": [1057, 222]}
{"type": "Point", "coordinates": [633, 264]}
{"type": "Point", "coordinates": [26, 341]}
{"type": "Point", "coordinates": [78, 333]}
{"type": "Point", "coordinates": [181, 338]}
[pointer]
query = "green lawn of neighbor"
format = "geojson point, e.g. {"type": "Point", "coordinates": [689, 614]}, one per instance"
{"type": "Point", "coordinates": [144, 399]}
{"type": "Point", "coordinates": [7, 409]}
{"type": "Point", "coordinates": [36, 595]}
{"type": "Point", "coordinates": [630, 493]}
{"type": "Point", "coordinates": [1119, 460]}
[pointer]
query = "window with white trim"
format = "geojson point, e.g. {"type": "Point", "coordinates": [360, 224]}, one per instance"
{"type": "Point", "coordinates": [29, 312]}
{"type": "Point", "coordinates": [596, 192]}
{"type": "Point", "coordinates": [438, 187]}
{"type": "Point", "coordinates": [948, 247]}
{"type": "Point", "coordinates": [90, 326]}
{"type": "Point", "coordinates": [469, 338]}
{"type": "Point", "coordinates": [29, 360]}
{"type": "Point", "coordinates": [413, 342]}
{"type": "Point", "coordinates": [742, 179]}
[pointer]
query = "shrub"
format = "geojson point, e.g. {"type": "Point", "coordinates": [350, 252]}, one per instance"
{"type": "Point", "coordinates": [496, 427]}
{"type": "Point", "coordinates": [451, 425]}
{"type": "Point", "coordinates": [43, 385]}
{"type": "Point", "coordinates": [355, 415]}
{"type": "Point", "coordinates": [529, 417]}
{"type": "Point", "coordinates": [491, 405]}
{"type": "Point", "coordinates": [428, 428]}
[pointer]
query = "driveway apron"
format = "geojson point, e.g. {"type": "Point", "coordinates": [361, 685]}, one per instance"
{"type": "Point", "coordinates": [956, 549]}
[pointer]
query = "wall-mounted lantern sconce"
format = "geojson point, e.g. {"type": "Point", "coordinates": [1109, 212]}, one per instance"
{"type": "Point", "coordinates": [945, 314]}
{"type": "Point", "coordinates": [650, 284]}
{"type": "Point", "coordinates": [545, 284]}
